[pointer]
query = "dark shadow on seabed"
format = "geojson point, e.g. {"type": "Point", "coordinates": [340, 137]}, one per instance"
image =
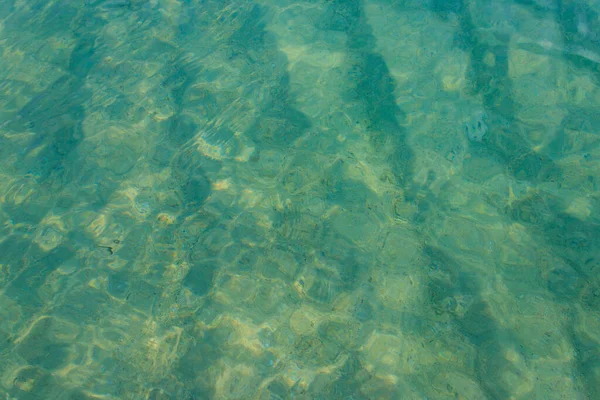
{"type": "Point", "coordinates": [572, 240]}
{"type": "Point", "coordinates": [372, 86]}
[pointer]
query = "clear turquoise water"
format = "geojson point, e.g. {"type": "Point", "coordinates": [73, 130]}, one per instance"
{"type": "Point", "coordinates": [299, 200]}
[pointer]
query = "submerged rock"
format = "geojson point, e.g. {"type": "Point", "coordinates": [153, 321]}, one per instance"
{"type": "Point", "coordinates": [476, 127]}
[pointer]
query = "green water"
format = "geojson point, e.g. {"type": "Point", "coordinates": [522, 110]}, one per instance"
{"type": "Point", "coordinates": [233, 199]}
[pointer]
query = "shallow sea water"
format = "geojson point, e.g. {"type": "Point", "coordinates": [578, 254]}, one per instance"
{"type": "Point", "coordinates": [358, 199]}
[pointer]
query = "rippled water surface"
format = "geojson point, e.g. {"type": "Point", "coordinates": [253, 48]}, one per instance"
{"type": "Point", "coordinates": [320, 199]}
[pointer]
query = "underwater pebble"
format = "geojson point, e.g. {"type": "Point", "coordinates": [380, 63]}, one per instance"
{"type": "Point", "coordinates": [476, 127]}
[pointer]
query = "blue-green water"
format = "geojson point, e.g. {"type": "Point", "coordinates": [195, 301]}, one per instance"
{"type": "Point", "coordinates": [361, 199]}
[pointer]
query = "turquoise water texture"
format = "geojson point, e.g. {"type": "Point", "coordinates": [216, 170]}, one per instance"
{"type": "Point", "coordinates": [274, 199]}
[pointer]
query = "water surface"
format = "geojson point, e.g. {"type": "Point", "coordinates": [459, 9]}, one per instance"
{"type": "Point", "coordinates": [310, 200]}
